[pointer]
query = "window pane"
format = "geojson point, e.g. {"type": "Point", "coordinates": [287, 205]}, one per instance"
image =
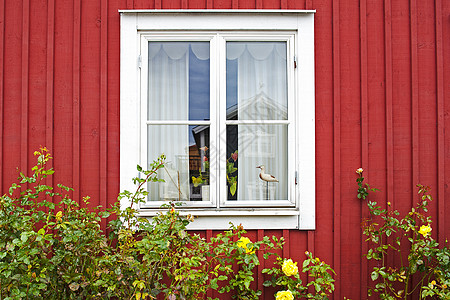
{"type": "Point", "coordinates": [186, 172]}
{"type": "Point", "coordinates": [178, 80]}
{"type": "Point", "coordinates": [256, 81]}
{"type": "Point", "coordinates": [250, 146]}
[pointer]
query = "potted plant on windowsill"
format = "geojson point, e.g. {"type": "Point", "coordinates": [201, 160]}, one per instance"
{"type": "Point", "coordinates": [203, 178]}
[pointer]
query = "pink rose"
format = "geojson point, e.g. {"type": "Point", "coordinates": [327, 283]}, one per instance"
{"type": "Point", "coordinates": [234, 156]}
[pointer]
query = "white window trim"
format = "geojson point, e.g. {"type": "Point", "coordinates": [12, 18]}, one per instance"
{"type": "Point", "coordinates": [133, 22]}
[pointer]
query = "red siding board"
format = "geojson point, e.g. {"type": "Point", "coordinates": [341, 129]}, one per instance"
{"type": "Point", "coordinates": [350, 142]}
{"type": "Point", "coordinates": [104, 107]}
{"type": "Point", "coordinates": [401, 102]}
{"type": "Point", "coordinates": [49, 101]}
{"type": "Point", "coordinates": [76, 140]}
{"type": "Point", "coordinates": [63, 95]}
{"type": "Point", "coordinates": [197, 4]}
{"type": "Point", "coordinates": [427, 117]}
{"type": "Point", "coordinates": [444, 165]}
{"type": "Point", "coordinates": [381, 103]}
{"type": "Point", "coordinates": [364, 135]}
{"type": "Point", "coordinates": [12, 61]}
{"type": "Point", "coordinates": [89, 111]}
{"type": "Point", "coordinates": [2, 99]}
{"type": "Point", "coordinates": [37, 77]}
{"type": "Point", "coordinates": [324, 132]}
{"type": "Point", "coordinates": [440, 119]}
{"type": "Point", "coordinates": [24, 87]}
{"type": "Point", "coordinates": [337, 148]}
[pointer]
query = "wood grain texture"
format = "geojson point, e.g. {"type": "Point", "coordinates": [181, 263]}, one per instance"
{"type": "Point", "coordinates": [364, 135]}
{"type": "Point", "coordinates": [2, 52]}
{"type": "Point", "coordinates": [337, 148]}
{"type": "Point", "coordinates": [104, 107]}
{"type": "Point", "coordinates": [382, 103]}
{"type": "Point", "coordinates": [76, 56]}
{"type": "Point", "coordinates": [24, 88]}
{"type": "Point", "coordinates": [440, 123]}
{"type": "Point", "coordinates": [49, 81]}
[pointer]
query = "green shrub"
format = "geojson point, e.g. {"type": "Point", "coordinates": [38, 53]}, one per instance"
{"type": "Point", "coordinates": [52, 247]}
{"type": "Point", "coordinates": [409, 239]}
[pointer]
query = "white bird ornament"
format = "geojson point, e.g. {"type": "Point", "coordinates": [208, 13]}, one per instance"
{"type": "Point", "coordinates": [264, 176]}
{"type": "Point", "coordinates": [267, 178]}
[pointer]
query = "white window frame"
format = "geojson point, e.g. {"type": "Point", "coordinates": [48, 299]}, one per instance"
{"type": "Point", "coordinates": [138, 25]}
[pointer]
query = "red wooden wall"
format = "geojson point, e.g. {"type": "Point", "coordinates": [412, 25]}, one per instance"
{"type": "Point", "coordinates": [382, 102]}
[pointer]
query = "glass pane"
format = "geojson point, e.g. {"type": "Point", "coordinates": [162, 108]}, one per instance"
{"type": "Point", "coordinates": [256, 81]}
{"type": "Point", "coordinates": [186, 173]}
{"type": "Point", "coordinates": [178, 80]}
{"type": "Point", "coordinates": [253, 146]}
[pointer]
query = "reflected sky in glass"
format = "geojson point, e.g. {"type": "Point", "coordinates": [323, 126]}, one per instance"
{"type": "Point", "coordinates": [199, 85]}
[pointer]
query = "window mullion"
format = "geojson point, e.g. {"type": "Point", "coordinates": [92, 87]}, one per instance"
{"type": "Point", "coordinates": [221, 54]}
{"type": "Point", "coordinates": [143, 102]}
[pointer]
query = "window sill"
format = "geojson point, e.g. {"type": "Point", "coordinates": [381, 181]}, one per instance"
{"type": "Point", "coordinates": [249, 218]}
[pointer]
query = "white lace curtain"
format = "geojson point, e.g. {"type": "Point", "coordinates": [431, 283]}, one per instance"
{"type": "Point", "coordinates": [262, 95]}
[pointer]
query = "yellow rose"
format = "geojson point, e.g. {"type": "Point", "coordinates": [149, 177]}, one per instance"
{"type": "Point", "coordinates": [360, 170]}
{"type": "Point", "coordinates": [242, 243]}
{"type": "Point", "coordinates": [289, 267]}
{"type": "Point", "coordinates": [284, 295]}
{"type": "Point", "coordinates": [424, 230]}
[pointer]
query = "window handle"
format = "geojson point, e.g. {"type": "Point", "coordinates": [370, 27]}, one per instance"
{"type": "Point", "coordinates": [296, 174]}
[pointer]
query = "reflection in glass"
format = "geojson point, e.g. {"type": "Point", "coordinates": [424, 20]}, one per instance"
{"type": "Point", "coordinates": [186, 173]}
{"type": "Point", "coordinates": [257, 145]}
{"type": "Point", "coordinates": [256, 81]}
{"type": "Point", "coordinates": [178, 80]}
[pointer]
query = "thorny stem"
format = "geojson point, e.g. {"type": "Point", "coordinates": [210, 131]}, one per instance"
{"type": "Point", "coordinates": [153, 171]}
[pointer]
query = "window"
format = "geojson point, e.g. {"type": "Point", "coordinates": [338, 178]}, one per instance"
{"type": "Point", "coordinates": [228, 97]}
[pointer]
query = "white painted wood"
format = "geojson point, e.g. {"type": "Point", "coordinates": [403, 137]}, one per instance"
{"type": "Point", "coordinates": [218, 11]}
{"type": "Point", "coordinates": [129, 105]}
{"type": "Point", "coordinates": [306, 123]}
{"type": "Point", "coordinates": [217, 26]}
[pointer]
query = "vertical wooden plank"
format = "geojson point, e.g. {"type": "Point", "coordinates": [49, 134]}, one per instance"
{"type": "Point", "coordinates": [76, 100]}
{"type": "Point", "coordinates": [414, 95]}
{"type": "Point", "coordinates": [209, 293]}
{"type": "Point", "coordinates": [235, 4]}
{"type": "Point", "coordinates": [440, 122]}
{"type": "Point", "coordinates": [260, 279]}
{"type": "Point", "coordinates": [364, 134]}
{"type": "Point", "coordinates": [184, 4]}
{"type": "Point", "coordinates": [259, 4]}
{"type": "Point", "coordinates": [104, 107]}
{"type": "Point", "coordinates": [113, 101]}
{"type": "Point", "coordinates": [24, 87]}
{"type": "Point", "coordinates": [158, 4]}
{"type": "Point", "coordinates": [311, 242]}
{"type": "Point", "coordinates": [49, 82]}
{"type": "Point", "coordinates": [309, 4]}
{"type": "Point", "coordinates": [388, 75]}
{"type": "Point", "coordinates": [388, 110]}
{"type": "Point", "coordinates": [284, 4]}
{"type": "Point", "coordinates": [2, 52]}
{"type": "Point", "coordinates": [286, 252]}
{"type": "Point", "coordinates": [336, 148]}
{"type": "Point", "coordinates": [130, 4]}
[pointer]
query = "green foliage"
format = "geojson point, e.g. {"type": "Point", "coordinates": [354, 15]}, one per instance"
{"type": "Point", "coordinates": [231, 169]}
{"type": "Point", "coordinates": [409, 239]}
{"type": "Point", "coordinates": [286, 276]}
{"type": "Point", "coordinates": [53, 247]}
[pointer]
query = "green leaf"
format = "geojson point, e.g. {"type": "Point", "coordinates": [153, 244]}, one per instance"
{"type": "Point", "coordinates": [233, 188]}
{"type": "Point", "coordinates": [374, 275]}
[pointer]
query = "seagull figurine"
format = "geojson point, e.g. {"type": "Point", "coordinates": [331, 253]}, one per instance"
{"type": "Point", "coordinates": [267, 178]}
{"type": "Point", "coordinates": [264, 176]}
